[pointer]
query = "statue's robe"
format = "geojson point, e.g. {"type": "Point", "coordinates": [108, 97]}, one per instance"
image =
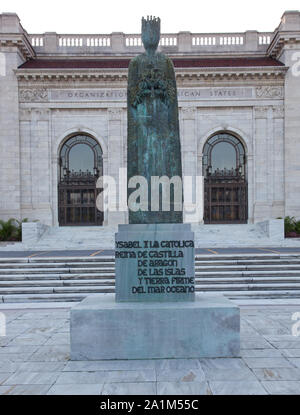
{"type": "Point", "coordinates": [153, 130]}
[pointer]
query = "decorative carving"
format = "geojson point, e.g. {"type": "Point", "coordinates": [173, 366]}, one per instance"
{"type": "Point", "coordinates": [188, 113]}
{"type": "Point", "coordinates": [278, 111]}
{"type": "Point", "coordinates": [33, 95]}
{"type": "Point", "coordinates": [115, 113]}
{"type": "Point", "coordinates": [25, 114]}
{"type": "Point", "coordinates": [154, 83]}
{"type": "Point", "coordinates": [269, 92]}
{"type": "Point", "coordinates": [261, 112]}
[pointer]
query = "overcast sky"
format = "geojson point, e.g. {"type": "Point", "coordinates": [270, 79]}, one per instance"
{"type": "Point", "coordinates": [106, 16]}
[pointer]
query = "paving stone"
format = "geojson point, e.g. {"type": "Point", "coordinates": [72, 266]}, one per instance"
{"type": "Point", "coordinates": [283, 338]}
{"type": "Point", "coordinates": [223, 363]}
{"type": "Point", "coordinates": [237, 388]}
{"type": "Point", "coordinates": [51, 354]}
{"type": "Point", "coordinates": [290, 352]}
{"type": "Point", "coordinates": [267, 362]}
{"type": "Point", "coordinates": [36, 315]}
{"type": "Point", "coordinates": [146, 375]}
{"type": "Point", "coordinates": [4, 376]}
{"type": "Point", "coordinates": [29, 339]}
{"type": "Point", "coordinates": [177, 364]}
{"type": "Point", "coordinates": [261, 353]}
{"type": "Point", "coordinates": [283, 373]}
{"type": "Point", "coordinates": [255, 344]}
{"type": "Point", "coordinates": [232, 374]}
{"type": "Point", "coordinates": [295, 361]}
{"type": "Point", "coordinates": [180, 375]}
{"type": "Point", "coordinates": [42, 367]}
{"type": "Point", "coordinates": [14, 357]}
{"type": "Point", "coordinates": [18, 349]}
{"type": "Point", "coordinates": [25, 390]}
{"type": "Point", "coordinates": [96, 365]}
{"type": "Point", "coordinates": [32, 378]}
{"type": "Point", "coordinates": [58, 339]}
{"type": "Point", "coordinates": [4, 390]}
{"type": "Point", "coordinates": [5, 340]}
{"type": "Point", "coordinates": [267, 346]}
{"type": "Point", "coordinates": [283, 387]}
{"type": "Point", "coordinates": [129, 388]}
{"type": "Point", "coordinates": [265, 331]}
{"type": "Point", "coordinates": [42, 315]}
{"type": "Point", "coordinates": [183, 388]}
{"type": "Point", "coordinates": [286, 345]}
{"type": "Point", "coordinates": [75, 389]}
{"type": "Point", "coordinates": [9, 366]}
{"type": "Point", "coordinates": [43, 330]}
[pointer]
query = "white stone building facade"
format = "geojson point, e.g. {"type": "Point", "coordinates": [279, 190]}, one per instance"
{"type": "Point", "coordinates": [55, 87]}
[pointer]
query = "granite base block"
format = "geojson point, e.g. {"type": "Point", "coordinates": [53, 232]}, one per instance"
{"type": "Point", "coordinates": [102, 329]}
{"type": "Point", "coordinates": [158, 266]}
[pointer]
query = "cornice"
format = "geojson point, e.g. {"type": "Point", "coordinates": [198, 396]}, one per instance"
{"type": "Point", "coordinates": [19, 41]}
{"type": "Point", "coordinates": [109, 75]}
{"type": "Point", "coordinates": [280, 40]}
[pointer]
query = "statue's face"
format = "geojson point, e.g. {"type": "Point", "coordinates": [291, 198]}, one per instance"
{"type": "Point", "coordinates": [150, 36]}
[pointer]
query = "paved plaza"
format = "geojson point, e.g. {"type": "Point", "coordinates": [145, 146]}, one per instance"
{"type": "Point", "coordinates": [34, 359]}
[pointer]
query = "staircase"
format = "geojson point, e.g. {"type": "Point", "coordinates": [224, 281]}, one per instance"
{"type": "Point", "coordinates": [236, 276]}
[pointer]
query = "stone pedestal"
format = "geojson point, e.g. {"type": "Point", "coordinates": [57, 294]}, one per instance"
{"type": "Point", "coordinates": [101, 328]}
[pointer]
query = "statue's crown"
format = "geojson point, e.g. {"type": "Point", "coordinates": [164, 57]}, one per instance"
{"type": "Point", "coordinates": [151, 21]}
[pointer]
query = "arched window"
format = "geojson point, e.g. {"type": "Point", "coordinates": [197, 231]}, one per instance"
{"type": "Point", "coordinates": [81, 154]}
{"type": "Point", "coordinates": [80, 164]}
{"type": "Point", "coordinates": [225, 184]}
{"type": "Point", "coordinates": [224, 154]}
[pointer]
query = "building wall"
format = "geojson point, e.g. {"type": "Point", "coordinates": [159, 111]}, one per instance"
{"type": "Point", "coordinates": [9, 135]}
{"type": "Point", "coordinates": [257, 122]}
{"type": "Point", "coordinates": [39, 110]}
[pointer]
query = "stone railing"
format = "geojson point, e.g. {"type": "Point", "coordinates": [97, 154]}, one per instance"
{"type": "Point", "coordinates": [121, 43]}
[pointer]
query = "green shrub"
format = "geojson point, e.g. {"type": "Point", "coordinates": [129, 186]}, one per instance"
{"type": "Point", "coordinates": [11, 230]}
{"type": "Point", "coordinates": [297, 227]}
{"type": "Point", "coordinates": [289, 224]}
{"type": "Point", "coordinates": [8, 230]}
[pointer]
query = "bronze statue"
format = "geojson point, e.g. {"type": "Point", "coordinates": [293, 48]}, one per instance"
{"type": "Point", "coordinates": [153, 126]}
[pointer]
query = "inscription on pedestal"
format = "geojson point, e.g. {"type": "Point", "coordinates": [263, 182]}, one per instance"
{"type": "Point", "coordinates": [155, 263]}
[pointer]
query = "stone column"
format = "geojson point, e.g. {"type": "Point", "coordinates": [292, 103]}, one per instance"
{"type": "Point", "coordinates": [40, 166]}
{"type": "Point", "coordinates": [262, 203]}
{"type": "Point", "coordinates": [116, 127]}
{"type": "Point", "coordinates": [278, 162]}
{"type": "Point", "coordinates": [189, 159]}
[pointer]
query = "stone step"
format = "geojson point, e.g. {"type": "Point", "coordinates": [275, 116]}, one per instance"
{"type": "Point", "coordinates": [256, 280]}
{"type": "Point", "coordinates": [68, 267]}
{"type": "Point", "coordinates": [109, 287]}
{"type": "Point", "coordinates": [59, 259]}
{"type": "Point", "coordinates": [242, 287]}
{"type": "Point", "coordinates": [111, 281]}
{"type": "Point", "coordinates": [71, 279]}
{"type": "Point", "coordinates": [248, 261]}
{"type": "Point", "coordinates": [42, 277]}
{"type": "Point", "coordinates": [60, 270]}
{"type": "Point", "coordinates": [225, 274]}
{"type": "Point", "coordinates": [102, 280]}
{"type": "Point", "coordinates": [274, 267]}
{"type": "Point", "coordinates": [56, 283]}
{"type": "Point", "coordinates": [70, 297]}
{"type": "Point", "coordinates": [110, 275]}
{"type": "Point", "coordinates": [51, 290]}
{"type": "Point", "coordinates": [93, 265]}
{"type": "Point", "coordinates": [28, 298]}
